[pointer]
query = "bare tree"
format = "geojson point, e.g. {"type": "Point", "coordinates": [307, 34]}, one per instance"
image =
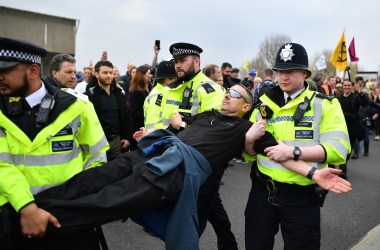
{"type": "Point", "coordinates": [259, 66]}
{"type": "Point", "coordinates": [329, 70]}
{"type": "Point", "coordinates": [268, 52]}
{"type": "Point", "coordinates": [269, 47]}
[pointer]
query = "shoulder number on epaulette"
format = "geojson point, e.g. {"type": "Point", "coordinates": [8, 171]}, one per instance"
{"type": "Point", "coordinates": [159, 100]}
{"type": "Point", "coordinates": [207, 86]}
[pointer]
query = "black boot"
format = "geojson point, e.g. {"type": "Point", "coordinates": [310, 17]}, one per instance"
{"type": "Point", "coordinates": [366, 151]}
{"type": "Point", "coordinates": [355, 156]}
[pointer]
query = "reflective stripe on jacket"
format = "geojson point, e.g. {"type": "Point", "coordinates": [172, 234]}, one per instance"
{"type": "Point", "coordinates": [323, 124]}
{"type": "Point", "coordinates": [73, 142]}
{"type": "Point", "coordinates": [206, 95]}
{"type": "Point", "coordinates": [152, 107]}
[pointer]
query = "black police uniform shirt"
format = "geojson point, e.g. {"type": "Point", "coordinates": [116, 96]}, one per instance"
{"type": "Point", "coordinates": [218, 137]}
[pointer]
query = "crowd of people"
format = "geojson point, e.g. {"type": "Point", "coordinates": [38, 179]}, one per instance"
{"type": "Point", "coordinates": [291, 127]}
{"type": "Point", "coordinates": [360, 100]}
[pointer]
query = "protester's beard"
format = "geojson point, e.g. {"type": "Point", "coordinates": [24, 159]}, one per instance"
{"type": "Point", "coordinates": [23, 90]}
{"type": "Point", "coordinates": [189, 74]}
{"type": "Point", "coordinates": [104, 82]}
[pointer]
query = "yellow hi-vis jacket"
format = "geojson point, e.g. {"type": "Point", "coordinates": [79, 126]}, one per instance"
{"type": "Point", "coordinates": [206, 95]}
{"type": "Point", "coordinates": [323, 124]}
{"type": "Point", "coordinates": [73, 142]}
{"type": "Point", "coordinates": [152, 107]}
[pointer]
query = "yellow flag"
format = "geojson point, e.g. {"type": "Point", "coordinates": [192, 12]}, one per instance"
{"type": "Point", "coordinates": [246, 65]}
{"type": "Point", "coordinates": [339, 56]}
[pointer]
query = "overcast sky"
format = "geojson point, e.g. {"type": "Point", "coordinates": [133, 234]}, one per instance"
{"type": "Point", "coordinates": [226, 30]}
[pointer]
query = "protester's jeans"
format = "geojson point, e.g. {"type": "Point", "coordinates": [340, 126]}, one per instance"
{"type": "Point", "coordinates": [356, 146]}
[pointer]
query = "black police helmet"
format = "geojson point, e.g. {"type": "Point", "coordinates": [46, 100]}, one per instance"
{"type": "Point", "coordinates": [292, 56]}
{"type": "Point", "coordinates": [166, 69]}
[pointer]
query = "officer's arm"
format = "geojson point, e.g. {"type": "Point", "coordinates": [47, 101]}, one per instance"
{"type": "Point", "coordinates": [334, 135]}
{"type": "Point", "coordinates": [14, 187]}
{"type": "Point", "coordinates": [33, 221]}
{"type": "Point", "coordinates": [326, 178]}
{"type": "Point", "coordinates": [17, 195]}
{"type": "Point", "coordinates": [282, 152]}
{"type": "Point", "coordinates": [211, 100]}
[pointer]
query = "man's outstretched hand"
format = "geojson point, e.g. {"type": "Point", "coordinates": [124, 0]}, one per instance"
{"type": "Point", "coordinates": [328, 179]}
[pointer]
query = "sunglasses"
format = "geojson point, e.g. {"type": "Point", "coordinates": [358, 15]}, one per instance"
{"type": "Point", "coordinates": [235, 94]}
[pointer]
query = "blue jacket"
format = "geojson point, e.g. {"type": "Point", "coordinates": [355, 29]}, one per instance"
{"type": "Point", "coordinates": [182, 221]}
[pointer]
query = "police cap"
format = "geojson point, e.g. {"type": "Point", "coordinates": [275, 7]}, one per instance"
{"type": "Point", "coordinates": [184, 49]}
{"type": "Point", "coordinates": [166, 69]}
{"type": "Point", "coordinates": [292, 56]}
{"type": "Point", "coordinates": [13, 52]}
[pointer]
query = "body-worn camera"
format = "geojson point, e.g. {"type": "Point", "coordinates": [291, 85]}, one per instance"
{"type": "Point", "coordinates": [302, 108]}
{"type": "Point", "coordinates": [46, 106]}
{"type": "Point", "coordinates": [187, 93]}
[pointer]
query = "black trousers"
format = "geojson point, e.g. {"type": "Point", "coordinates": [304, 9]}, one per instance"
{"type": "Point", "coordinates": [115, 190]}
{"type": "Point", "coordinates": [13, 240]}
{"type": "Point", "coordinates": [297, 215]}
{"type": "Point", "coordinates": [210, 208]}
{"type": "Point", "coordinates": [219, 220]}
{"type": "Point", "coordinates": [115, 147]}
{"type": "Point", "coordinates": [96, 196]}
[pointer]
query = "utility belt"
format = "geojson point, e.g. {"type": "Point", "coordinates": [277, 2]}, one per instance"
{"type": "Point", "coordinates": [261, 180]}
{"type": "Point", "coordinates": [273, 187]}
{"type": "Point", "coordinates": [111, 137]}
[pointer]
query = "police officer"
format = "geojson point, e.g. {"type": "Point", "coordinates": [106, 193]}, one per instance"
{"type": "Point", "coordinates": [46, 137]}
{"type": "Point", "coordinates": [312, 128]}
{"type": "Point", "coordinates": [190, 94]}
{"type": "Point", "coordinates": [165, 74]}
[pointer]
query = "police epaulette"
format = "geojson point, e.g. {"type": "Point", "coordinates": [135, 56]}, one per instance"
{"type": "Point", "coordinates": [76, 94]}
{"type": "Point", "coordinates": [323, 96]}
{"type": "Point", "coordinates": [208, 88]}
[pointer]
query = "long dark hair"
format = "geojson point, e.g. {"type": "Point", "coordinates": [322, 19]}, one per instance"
{"type": "Point", "coordinates": [130, 73]}
{"type": "Point", "coordinates": [138, 82]}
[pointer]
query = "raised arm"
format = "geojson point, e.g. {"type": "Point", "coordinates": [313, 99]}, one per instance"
{"type": "Point", "coordinates": [256, 131]}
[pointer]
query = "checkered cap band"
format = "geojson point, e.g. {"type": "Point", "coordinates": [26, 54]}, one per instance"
{"type": "Point", "coordinates": [180, 52]}
{"type": "Point", "coordinates": [19, 56]}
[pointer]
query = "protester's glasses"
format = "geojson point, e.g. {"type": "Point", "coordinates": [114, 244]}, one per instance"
{"type": "Point", "coordinates": [235, 94]}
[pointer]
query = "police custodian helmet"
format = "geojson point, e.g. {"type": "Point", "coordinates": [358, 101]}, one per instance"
{"type": "Point", "coordinates": [292, 56]}
{"type": "Point", "coordinates": [166, 69]}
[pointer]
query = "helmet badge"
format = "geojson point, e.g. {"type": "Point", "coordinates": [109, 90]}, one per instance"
{"type": "Point", "coordinates": [287, 53]}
